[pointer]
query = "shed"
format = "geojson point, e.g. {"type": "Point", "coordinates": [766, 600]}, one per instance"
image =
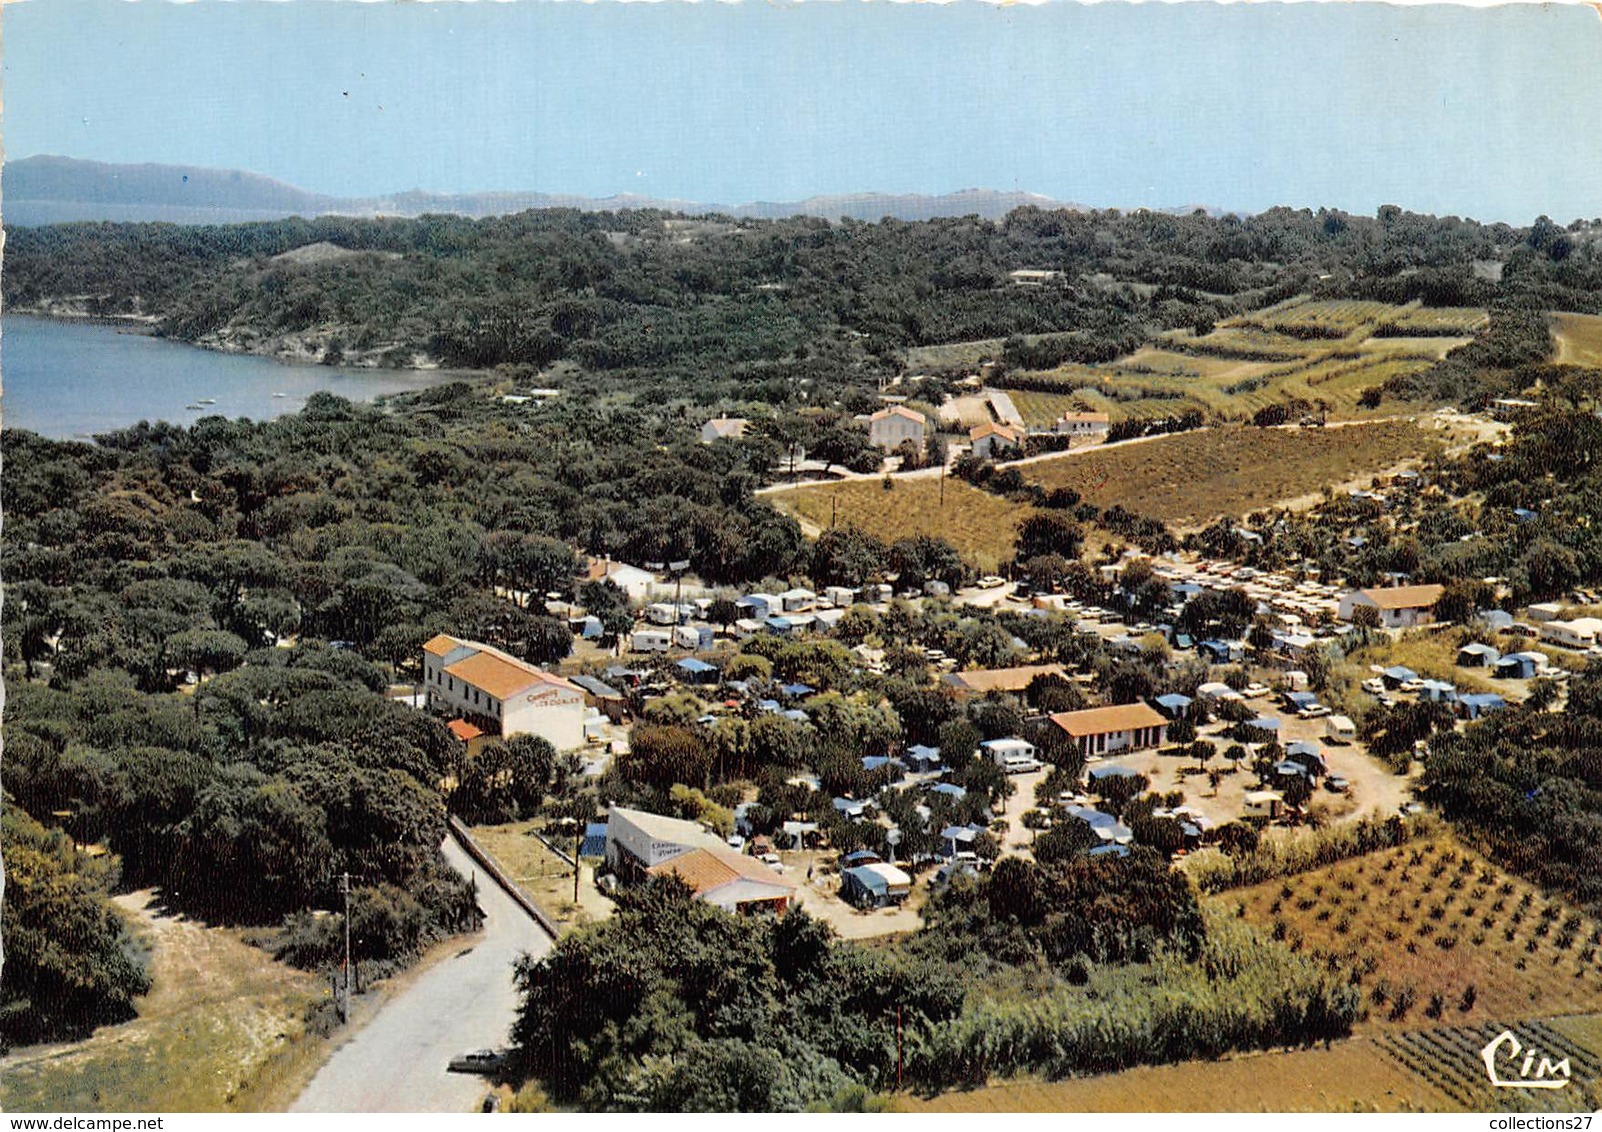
{"type": "Point", "coordinates": [695, 671]}
{"type": "Point", "coordinates": [1173, 705]}
{"type": "Point", "coordinates": [1477, 655]}
{"type": "Point", "coordinates": [1475, 704]}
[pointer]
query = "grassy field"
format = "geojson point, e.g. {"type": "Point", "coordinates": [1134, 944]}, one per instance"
{"type": "Point", "coordinates": [542, 874]}
{"type": "Point", "coordinates": [1422, 924]}
{"type": "Point", "coordinates": [1305, 349]}
{"type": "Point", "coordinates": [1353, 1076]}
{"type": "Point", "coordinates": [222, 1029]}
{"type": "Point", "coordinates": [980, 525]}
{"type": "Point", "coordinates": [1193, 477]}
{"type": "Point", "coordinates": [1433, 1070]}
{"type": "Point", "coordinates": [1579, 339]}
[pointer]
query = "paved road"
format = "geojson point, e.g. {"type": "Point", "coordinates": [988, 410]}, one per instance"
{"type": "Point", "coordinates": [397, 1062]}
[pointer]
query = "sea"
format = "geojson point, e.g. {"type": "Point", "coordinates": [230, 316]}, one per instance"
{"type": "Point", "coordinates": [72, 380]}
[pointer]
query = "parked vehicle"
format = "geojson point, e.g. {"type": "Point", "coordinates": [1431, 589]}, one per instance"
{"type": "Point", "coordinates": [1336, 784]}
{"type": "Point", "coordinates": [1254, 689]}
{"type": "Point", "coordinates": [1313, 711]}
{"type": "Point", "coordinates": [479, 1061]}
{"type": "Point", "coordinates": [1374, 686]}
{"type": "Point", "coordinates": [991, 581]}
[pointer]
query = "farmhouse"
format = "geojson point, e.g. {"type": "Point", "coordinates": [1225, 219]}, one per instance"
{"type": "Point", "coordinates": [889, 428]}
{"type": "Point", "coordinates": [1399, 607]}
{"type": "Point", "coordinates": [638, 841]}
{"type": "Point", "coordinates": [501, 695]}
{"type": "Point", "coordinates": [1032, 277]}
{"type": "Point", "coordinates": [983, 681]}
{"type": "Point", "coordinates": [723, 428]}
{"type": "Point", "coordinates": [729, 880]}
{"type": "Point", "coordinates": [990, 438]}
{"type": "Point", "coordinates": [1082, 424]}
{"type": "Point", "coordinates": [1098, 731]}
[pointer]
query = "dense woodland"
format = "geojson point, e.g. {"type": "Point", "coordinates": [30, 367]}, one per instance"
{"type": "Point", "coordinates": [354, 533]}
{"type": "Point", "coordinates": [712, 310]}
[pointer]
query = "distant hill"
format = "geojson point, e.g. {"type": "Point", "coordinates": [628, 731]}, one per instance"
{"type": "Point", "coordinates": [55, 190]}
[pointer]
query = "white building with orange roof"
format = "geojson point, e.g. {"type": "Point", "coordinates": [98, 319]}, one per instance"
{"type": "Point", "coordinates": [1117, 727]}
{"type": "Point", "coordinates": [889, 428]}
{"type": "Point", "coordinates": [730, 880]}
{"type": "Point", "coordinates": [499, 694]}
{"type": "Point", "coordinates": [990, 438]}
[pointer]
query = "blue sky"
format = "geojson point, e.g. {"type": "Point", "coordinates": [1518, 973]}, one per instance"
{"type": "Point", "coordinates": [1489, 113]}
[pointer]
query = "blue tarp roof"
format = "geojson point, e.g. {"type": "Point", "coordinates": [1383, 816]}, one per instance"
{"type": "Point", "coordinates": [1482, 701]}
{"type": "Point", "coordinates": [1263, 723]}
{"type": "Point", "coordinates": [878, 762]}
{"type": "Point", "coordinates": [961, 832]}
{"type": "Point", "coordinates": [950, 788]}
{"type": "Point", "coordinates": [1400, 672]}
{"type": "Point", "coordinates": [796, 715]}
{"type": "Point", "coordinates": [793, 690]}
{"type": "Point", "coordinates": [861, 855]}
{"type": "Point", "coordinates": [1479, 649]}
{"type": "Point", "coordinates": [594, 843]}
{"type": "Point", "coordinates": [1302, 747]}
{"type": "Point", "coordinates": [1289, 767]}
{"type": "Point", "coordinates": [1301, 699]}
{"type": "Point", "coordinates": [919, 751]}
{"type": "Point", "coordinates": [780, 623]}
{"type": "Point", "coordinates": [690, 664]}
{"type": "Point", "coordinates": [1109, 851]}
{"type": "Point", "coordinates": [1174, 700]}
{"type": "Point", "coordinates": [768, 705]}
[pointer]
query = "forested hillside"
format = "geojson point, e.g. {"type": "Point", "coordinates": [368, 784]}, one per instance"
{"type": "Point", "coordinates": [714, 307]}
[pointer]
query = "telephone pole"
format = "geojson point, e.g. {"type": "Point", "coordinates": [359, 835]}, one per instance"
{"type": "Point", "coordinates": [344, 887]}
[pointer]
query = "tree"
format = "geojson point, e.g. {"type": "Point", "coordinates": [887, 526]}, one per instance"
{"type": "Point", "coordinates": [1048, 533]}
{"type": "Point", "coordinates": [660, 756]}
{"type": "Point", "coordinates": [605, 600]}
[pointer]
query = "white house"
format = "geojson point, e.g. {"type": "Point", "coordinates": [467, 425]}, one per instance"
{"type": "Point", "coordinates": [729, 880]}
{"type": "Point", "coordinates": [723, 428]}
{"type": "Point", "coordinates": [889, 428]}
{"type": "Point", "coordinates": [1032, 277]}
{"type": "Point", "coordinates": [1400, 607]}
{"type": "Point", "coordinates": [500, 694]}
{"type": "Point", "coordinates": [637, 840]}
{"type": "Point", "coordinates": [990, 438]}
{"type": "Point", "coordinates": [1082, 424]}
{"type": "Point", "coordinates": [1102, 730]}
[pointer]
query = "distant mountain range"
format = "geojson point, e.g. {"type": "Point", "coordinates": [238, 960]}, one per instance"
{"type": "Point", "coordinates": [55, 190]}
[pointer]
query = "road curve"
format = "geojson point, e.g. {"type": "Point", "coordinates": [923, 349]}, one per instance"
{"type": "Point", "coordinates": [396, 1063]}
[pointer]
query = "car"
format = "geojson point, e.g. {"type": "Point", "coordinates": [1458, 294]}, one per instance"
{"type": "Point", "coordinates": [1254, 689]}
{"type": "Point", "coordinates": [1336, 784]}
{"type": "Point", "coordinates": [1374, 686]}
{"type": "Point", "coordinates": [1313, 711]}
{"type": "Point", "coordinates": [1410, 686]}
{"type": "Point", "coordinates": [991, 581]}
{"type": "Point", "coordinates": [479, 1061]}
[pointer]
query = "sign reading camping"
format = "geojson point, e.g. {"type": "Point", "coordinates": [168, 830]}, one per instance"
{"type": "Point", "coordinates": [1511, 1066]}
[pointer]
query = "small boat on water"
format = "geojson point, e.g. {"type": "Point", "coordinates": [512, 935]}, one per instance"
{"type": "Point", "coordinates": [207, 401]}
{"type": "Point", "coordinates": [194, 408]}
{"type": "Point", "coordinates": [280, 395]}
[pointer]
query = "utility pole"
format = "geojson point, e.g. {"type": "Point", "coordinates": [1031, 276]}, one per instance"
{"type": "Point", "coordinates": [578, 843]}
{"type": "Point", "coordinates": [344, 887]}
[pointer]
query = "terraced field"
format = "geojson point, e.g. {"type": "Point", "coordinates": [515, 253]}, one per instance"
{"type": "Point", "coordinates": [1320, 352]}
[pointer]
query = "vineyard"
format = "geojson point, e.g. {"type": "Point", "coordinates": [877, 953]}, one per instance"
{"type": "Point", "coordinates": [1323, 353]}
{"type": "Point", "coordinates": [1197, 476]}
{"type": "Point", "coordinates": [1448, 1057]}
{"type": "Point", "coordinates": [1435, 934]}
{"type": "Point", "coordinates": [980, 525]}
